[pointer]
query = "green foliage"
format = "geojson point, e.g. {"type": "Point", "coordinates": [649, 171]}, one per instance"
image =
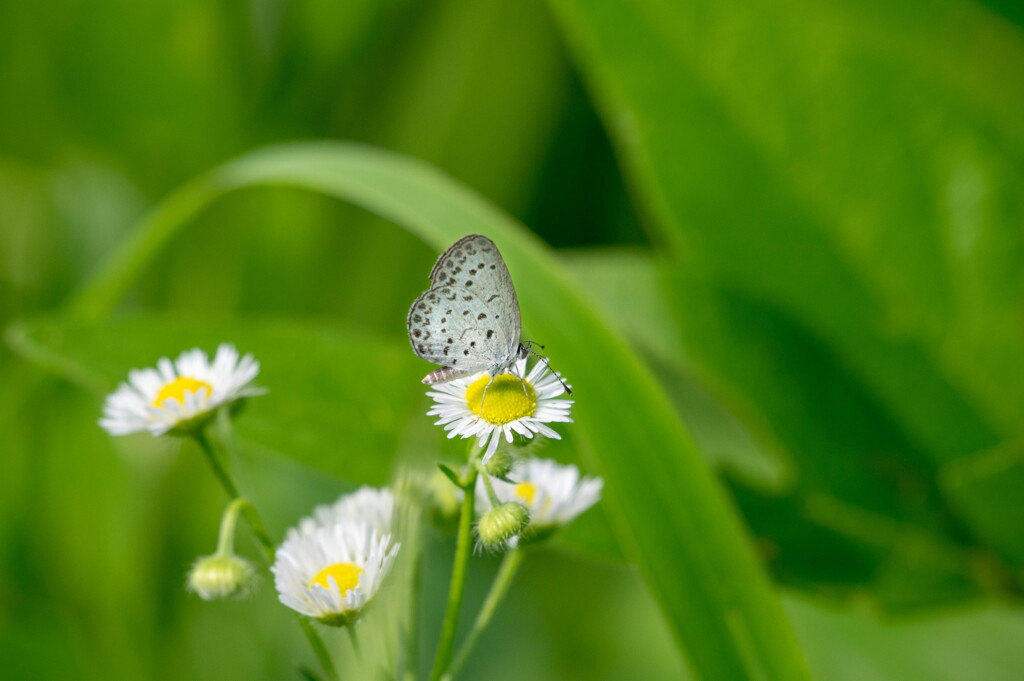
{"type": "Point", "coordinates": [851, 286]}
{"type": "Point", "coordinates": [828, 295]}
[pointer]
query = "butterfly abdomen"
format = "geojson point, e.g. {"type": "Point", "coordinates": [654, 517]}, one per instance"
{"type": "Point", "coordinates": [445, 374]}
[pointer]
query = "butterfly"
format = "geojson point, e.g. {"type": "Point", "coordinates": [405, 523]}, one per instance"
{"type": "Point", "coordinates": [469, 320]}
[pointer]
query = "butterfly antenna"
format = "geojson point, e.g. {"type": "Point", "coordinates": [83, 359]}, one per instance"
{"type": "Point", "coordinates": [544, 359]}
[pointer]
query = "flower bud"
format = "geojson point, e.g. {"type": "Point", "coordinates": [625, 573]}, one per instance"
{"type": "Point", "coordinates": [501, 523]}
{"type": "Point", "coordinates": [499, 465]}
{"type": "Point", "coordinates": [221, 576]}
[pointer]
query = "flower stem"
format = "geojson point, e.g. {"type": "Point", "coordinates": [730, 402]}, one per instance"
{"type": "Point", "coordinates": [502, 581]}
{"type": "Point", "coordinates": [317, 643]}
{"type": "Point", "coordinates": [413, 633]}
{"type": "Point", "coordinates": [226, 537]}
{"type": "Point", "coordinates": [222, 475]}
{"type": "Point", "coordinates": [489, 488]}
{"type": "Point", "coordinates": [463, 549]}
{"type": "Point", "coordinates": [252, 517]}
{"type": "Point", "coordinates": [219, 471]}
{"type": "Point", "coordinates": [354, 638]}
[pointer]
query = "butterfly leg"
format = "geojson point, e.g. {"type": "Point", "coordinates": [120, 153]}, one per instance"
{"type": "Point", "coordinates": [522, 380]}
{"type": "Point", "coordinates": [483, 397]}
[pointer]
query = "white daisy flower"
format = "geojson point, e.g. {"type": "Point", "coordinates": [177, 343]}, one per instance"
{"type": "Point", "coordinates": [333, 572]}
{"type": "Point", "coordinates": [371, 505]}
{"type": "Point", "coordinates": [510, 405]}
{"type": "Point", "coordinates": [553, 493]}
{"type": "Point", "coordinates": [176, 396]}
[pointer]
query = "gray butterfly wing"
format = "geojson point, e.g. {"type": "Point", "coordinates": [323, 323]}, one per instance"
{"type": "Point", "coordinates": [474, 263]}
{"type": "Point", "coordinates": [469, 320]}
{"type": "Point", "coordinates": [454, 327]}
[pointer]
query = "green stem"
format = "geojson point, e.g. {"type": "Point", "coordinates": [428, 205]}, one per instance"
{"type": "Point", "coordinates": [226, 538]}
{"type": "Point", "coordinates": [319, 648]}
{"type": "Point", "coordinates": [502, 581]}
{"type": "Point", "coordinates": [413, 634]}
{"type": "Point", "coordinates": [252, 516]}
{"type": "Point", "coordinates": [354, 638]}
{"type": "Point", "coordinates": [219, 471]}
{"type": "Point", "coordinates": [491, 495]}
{"type": "Point", "coordinates": [456, 591]}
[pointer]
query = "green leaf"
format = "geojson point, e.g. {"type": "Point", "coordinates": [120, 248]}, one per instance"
{"type": "Point", "coordinates": [851, 523]}
{"type": "Point", "coordinates": [984, 486]}
{"type": "Point", "coordinates": [337, 399]}
{"type": "Point", "coordinates": [852, 170]}
{"type": "Point", "coordinates": [627, 287]}
{"type": "Point", "coordinates": [664, 503]}
{"type": "Point", "coordinates": [855, 645]}
{"type": "Point", "coordinates": [450, 474]}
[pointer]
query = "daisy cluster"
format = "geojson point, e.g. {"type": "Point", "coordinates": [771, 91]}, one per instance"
{"type": "Point", "coordinates": [516, 500]}
{"type": "Point", "coordinates": [333, 562]}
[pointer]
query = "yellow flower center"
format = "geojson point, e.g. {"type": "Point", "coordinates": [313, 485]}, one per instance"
{"type": "Point", "coordinates": [526, 491]}
{"type": "Point", "coordinates": [508, 398]}
{"type": "Point", "coordinates": [346, 576]}
{"type": "Point", "coordinates": [177, 388]}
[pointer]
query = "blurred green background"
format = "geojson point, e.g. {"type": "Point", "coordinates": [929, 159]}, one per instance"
{"type": "Point", "coordinates": [807, 221]}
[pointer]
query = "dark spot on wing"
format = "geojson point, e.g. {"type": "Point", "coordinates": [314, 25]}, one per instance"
{"type": "Point", "coordinates": [469, 282]}
{"type": "Point", "coordinates": [445, 351]}
{"type": "Point", "coordinates": [472, 271]}
{"type": "Point", "coordinates": [448, 312]}
{"type": "Point", "coordinates": [454, 362]}
{"type": "Point", "coordinates": [417, 333]}
{"type": "Point", "coordinates": [481, 265]}
{"type": "Point", "coordinates": [472, 344]}
{"type": "Point", "coordinates": [465, 352]}
{"type": "Point", "coordinates": [450, 341]}
{"type": "Point", "coordinates": [492, 267]}
{"type": "Point", "coordinates": [465, 312]}
{"type": "Point", "coordinates": [491, 298]}
{"type": "Point", "coordinates": [490, 332]}
{"type": "Point", "coordinates": [479, 316]}
{"type": "Point", "coordinates": [444, 319]}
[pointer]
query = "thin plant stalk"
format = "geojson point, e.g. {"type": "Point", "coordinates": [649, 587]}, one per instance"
{"type": "Point", "coordinates": [226, 537]}
{"type": "Point", "coordinates": [219, 471]}
{"type": "Point", "coordinates": [413, 633]}
{"type": "Point", "coordinates": [252, 516]}
{"type": "Point", "coordinates": [457, 589]}
{"type": "Point", "coordinates": [354, 638]}
{"type": "Point", "coordinates": [499, 588]}
{"type": "Point", "coordinates": [319, 648]}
